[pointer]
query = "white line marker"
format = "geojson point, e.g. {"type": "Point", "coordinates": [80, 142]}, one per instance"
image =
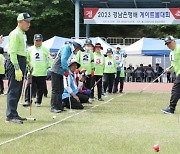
{"type": "Point", "coordinates": [47, 126]}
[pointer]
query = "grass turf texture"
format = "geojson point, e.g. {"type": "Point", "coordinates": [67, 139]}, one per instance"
{"type": "Point", "coordinates": [129, 124]}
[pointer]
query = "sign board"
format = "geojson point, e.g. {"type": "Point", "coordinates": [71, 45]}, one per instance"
{"type": "Point", "coordinates": [143, 16]}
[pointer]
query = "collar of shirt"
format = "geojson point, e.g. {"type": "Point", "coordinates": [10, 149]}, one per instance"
{"type": "Point", "coordinates": [20, 30]}
{"type": "Point", "coordinates": [71, 73]}
{"type": "Point", "coordinates": [38, 47]}
{"type": "Point", "coordinates": [72, 48]}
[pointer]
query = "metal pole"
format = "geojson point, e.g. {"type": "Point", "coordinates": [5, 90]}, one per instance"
{"type": "Point", "coordinates": [164, 68]}
{"type": "Point", "coordinates": [76, 19]}
{"type": "Point", "coordinates": [87, 30]}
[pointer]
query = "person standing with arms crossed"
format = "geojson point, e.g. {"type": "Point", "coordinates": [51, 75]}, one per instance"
{"type": "Point", "coordinates": [175, 63]}
{"type": "Point", "coordinates": [15, 67]}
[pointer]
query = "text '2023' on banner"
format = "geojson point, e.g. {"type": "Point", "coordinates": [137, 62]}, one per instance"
{"type": "Point", "coordinates": [132, 16]}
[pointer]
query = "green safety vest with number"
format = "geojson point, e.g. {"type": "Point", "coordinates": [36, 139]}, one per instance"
{"type": "Point", "coordinates": [38, 58]}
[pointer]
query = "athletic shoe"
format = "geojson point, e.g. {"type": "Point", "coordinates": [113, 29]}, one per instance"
{"type": "Point", "coordinates": [26, 104]}
{"type": "Point", "coordinates": [167, 110]}
{"type": "Point", "coordinates": [89, 102]}
{"type": "Point", "coordinates": [56, 110]}
{"type": "Point", "coordinates": [100, 99]}
{"type": "Point", "coordinates": [21, 118]}
{"type": "Point", "coordinates": [91, 99]}
{"type": "Point", "coordinates": [38, 105]}
{"type": "Point", "coordinates": [13, 120]}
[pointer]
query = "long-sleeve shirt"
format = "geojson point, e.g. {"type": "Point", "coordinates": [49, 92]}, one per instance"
{"type": "Point", "coordinates": [17, 44]}
{"type": "Point", "coordinates": [69, 86]}
{"type": "Point", "coordinates": [175, 60]}
{"type": "Point", "coordinates": [119, 59]}
{"type": "Point", "coordinates": [64, 55]}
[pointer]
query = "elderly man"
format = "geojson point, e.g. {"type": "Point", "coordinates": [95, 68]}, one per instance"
{"type": "Point", "coordinates": [175, 63]}
{"type": "Point", "coordinates": [71, 96]}
{"type": "Point", "coordinates": [60, 68]}
{"type": "Point", "coordinates": [15, 66]}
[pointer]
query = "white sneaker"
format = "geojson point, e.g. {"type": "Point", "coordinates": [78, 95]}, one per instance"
{"type": "Point", "coordinates": [38, 105]}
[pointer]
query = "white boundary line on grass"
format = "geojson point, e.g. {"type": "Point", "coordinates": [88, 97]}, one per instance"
{"type": "Point", "coordinates": [52, 124]}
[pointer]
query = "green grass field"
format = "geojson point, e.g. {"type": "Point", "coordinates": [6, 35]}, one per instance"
{"type": "Point", "coordinates": [129, 124]}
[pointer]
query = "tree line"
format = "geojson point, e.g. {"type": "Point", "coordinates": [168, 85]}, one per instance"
{"type": "Point", "coordinates": [56, 17]}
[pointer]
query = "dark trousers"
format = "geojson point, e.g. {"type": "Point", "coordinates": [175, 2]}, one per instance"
{"type": "Point", "coordinates": [95, 78]}
{"type": "Point", "coordinates": [74, 103]}
{"type": "Point", "coordinates": [38, 83]}
{"type": "Point", "coordinates": [57, 91]}
{"type": "Point", "coordinates": [108, 81]}
{"type": "Point", "coordinates": [88, 82]}
{"type": "Point", "coordinates": [175, 93]}
{"type": "Point", "coordinates": [118, 80]}
{"type": "Point", "coordinates": [1, 84]}
{"type": "Point", "coordinates": [14, 86]}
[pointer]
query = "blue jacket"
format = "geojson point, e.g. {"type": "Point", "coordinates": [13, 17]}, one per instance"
{"type": "Point", "coordinates": [69, 88]}
{"type": "Point", "coordinates": [60, 64]}
{"type": "Point", "coordinates": [119, 58]}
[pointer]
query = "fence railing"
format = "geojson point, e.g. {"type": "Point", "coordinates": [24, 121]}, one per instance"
{"type": "Point", "coordinates": [116, 40]}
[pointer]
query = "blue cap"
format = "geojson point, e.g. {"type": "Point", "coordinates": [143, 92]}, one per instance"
{"type": "Point", "coordinates": [78, 45]}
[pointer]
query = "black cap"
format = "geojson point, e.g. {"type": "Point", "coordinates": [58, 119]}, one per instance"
{"type": "Point", "coordinates": [109, 50]}
{"type": "Point", "coordinates": [68, 42]}
{"type": "Point", "coordinates": [24, 16]}
{"type": "Point", "coordinates": [38, 37]}
{"type": "Point", "coordinates": [168, 39]}
{"type": "Point", "coordinates": [88, 41]}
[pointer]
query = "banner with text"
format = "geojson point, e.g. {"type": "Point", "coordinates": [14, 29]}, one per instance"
{"type": "Point", "coordinates": [141, 16]}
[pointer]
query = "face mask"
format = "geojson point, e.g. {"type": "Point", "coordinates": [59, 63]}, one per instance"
{"type": "Point", "coordinates": [88, 48]}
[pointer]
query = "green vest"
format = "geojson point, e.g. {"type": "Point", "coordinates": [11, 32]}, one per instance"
{"type": "Point", "coordinates": [98, 63]}
{"type": "Point", "coordinates": [86, 60]}
{"type": "Point", "coordinates": [2, 69]}
{"type": "Point", "coordinates": [110, 65]}
{"type": "Point", "coordinates": [38, 57]}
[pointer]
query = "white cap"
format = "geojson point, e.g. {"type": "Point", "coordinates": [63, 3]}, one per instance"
{"type": "Point", "coordinates": [118, 46]}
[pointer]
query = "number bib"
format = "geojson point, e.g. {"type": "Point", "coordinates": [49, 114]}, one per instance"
{"type": "Point", "coordinates": [85, 58]}
{"type": "Point", "coordinates": [37, 55]}
{"type": "Point", "coordinates": [71, 58]}
{"type": "Point", "coordinates": [98, 60]}
{"type": "Point", "coordinates": [109, 63]}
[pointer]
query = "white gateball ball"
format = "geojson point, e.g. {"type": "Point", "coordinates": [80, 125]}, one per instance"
{"type": "Point", "coordinates": [54, 117]}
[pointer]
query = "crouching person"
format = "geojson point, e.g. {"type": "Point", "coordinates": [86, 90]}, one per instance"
{"type": "Point", "coordinates": [82, 89]}
{"type": "Point", "coordinates": [71, 94]}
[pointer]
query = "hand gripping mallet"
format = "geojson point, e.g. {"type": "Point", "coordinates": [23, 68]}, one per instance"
{"type": "Point", "coordinates": [30, 108]}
